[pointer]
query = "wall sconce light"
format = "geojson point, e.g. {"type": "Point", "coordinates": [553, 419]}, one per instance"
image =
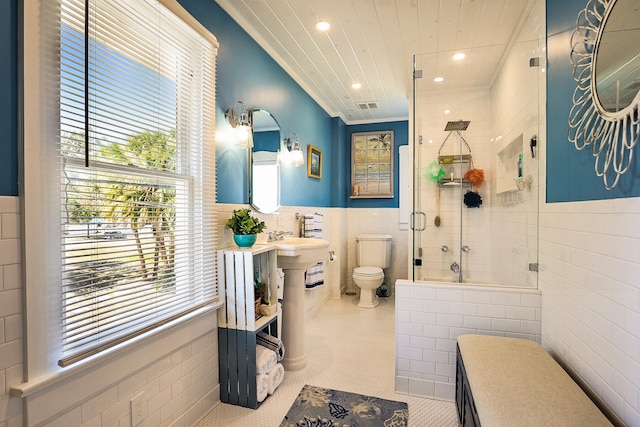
{"type": "Point", "coordinates": [291, 151]}
{"type": "Point", "coordinates": [284, 155]}
{"type": "Point", "coordinates": [239, 118]}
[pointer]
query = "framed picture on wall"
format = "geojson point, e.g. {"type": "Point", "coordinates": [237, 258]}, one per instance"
{"type": "Point", "coordinates": [372, 165]}
{"type": "Point", "coordinates": [314, 162]}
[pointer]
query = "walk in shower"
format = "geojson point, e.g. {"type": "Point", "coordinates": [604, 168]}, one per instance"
{"type": "Point", "coordinates": [475, 157]}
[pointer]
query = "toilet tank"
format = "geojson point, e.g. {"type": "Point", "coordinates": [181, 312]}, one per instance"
{"type": "Point", "coordinates": [373, 250]}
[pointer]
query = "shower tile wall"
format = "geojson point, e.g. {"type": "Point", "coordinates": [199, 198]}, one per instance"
{"type": "Point", "coordinates": [472, 105]}
{"type": "Point", "coordinates": [502, 233]}
{"type": "Point", "coordinates": [10, 311]}
{"type": "Point", "coordinates": [517, 114]}
{"type": "Point", "coordinates": [429, 318]}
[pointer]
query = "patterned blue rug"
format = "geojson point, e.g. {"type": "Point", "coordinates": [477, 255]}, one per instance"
{"type": "Point", "coordinates": [321, 407]}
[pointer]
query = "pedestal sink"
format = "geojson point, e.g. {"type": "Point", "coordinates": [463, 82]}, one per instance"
{"type": "Point", "coordinates": [295, 255]}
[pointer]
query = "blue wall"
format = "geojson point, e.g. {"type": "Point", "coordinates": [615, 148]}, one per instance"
{"type": "Point", "coordinates": [570, 173]}
{"type": "Point", "coordinates": [9, 98]}
{"type": "Point", "coordinates": [400, 137]}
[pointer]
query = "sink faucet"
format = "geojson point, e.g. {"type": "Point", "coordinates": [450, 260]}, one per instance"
{"type": "Point", "coordinates": [273, 236]}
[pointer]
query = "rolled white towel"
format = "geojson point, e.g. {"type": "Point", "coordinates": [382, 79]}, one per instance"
{"type": "Point", "coordinates": [276, 375]}
{"type": "Point", "coordinates": [262, 386]}
{"type": "Point", "coordinates": [266, 359]}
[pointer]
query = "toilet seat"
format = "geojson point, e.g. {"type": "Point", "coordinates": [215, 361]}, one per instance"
{"type": "Point", "coordinates": [369, 272]}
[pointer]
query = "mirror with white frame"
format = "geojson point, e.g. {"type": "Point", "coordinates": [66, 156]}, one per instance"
{"type": "Point", "coordinates": [606, 64]}
{"type": "Point", "coordinates": [264, 170]}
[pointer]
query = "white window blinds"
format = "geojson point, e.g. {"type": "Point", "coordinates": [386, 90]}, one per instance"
{"type": "Point", "coordinates": [136, 95]}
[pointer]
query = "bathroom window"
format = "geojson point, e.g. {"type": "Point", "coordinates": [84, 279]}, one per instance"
{"type": "Point", "coordinates": [127, 175]}
{"type": "Point", "coordinates": [372, 164]}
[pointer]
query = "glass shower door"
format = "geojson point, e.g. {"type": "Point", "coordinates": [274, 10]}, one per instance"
{"type": "Point", "coordinates": [478, 230]}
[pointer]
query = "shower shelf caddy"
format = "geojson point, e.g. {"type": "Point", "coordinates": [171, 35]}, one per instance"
{"type": "Point", "coordinates": [237, 323]}
{"type": "Point", "coordinates": [454, 159]}
{"type": "Point", "coordinates": [461, 162]}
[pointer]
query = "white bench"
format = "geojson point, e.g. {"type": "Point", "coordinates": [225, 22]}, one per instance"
{"type": "Point", "coordinates": [515, 382]}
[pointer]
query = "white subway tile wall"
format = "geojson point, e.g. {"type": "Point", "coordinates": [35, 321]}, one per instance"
{"type": "Point", "coordinates": [590, 279]}
{"type": "Point", "coordinates": [11, 332]}
{"type": "Point", "coordinates": [473, 105]}
{"type": "Point", "coordinates": [430, 317]}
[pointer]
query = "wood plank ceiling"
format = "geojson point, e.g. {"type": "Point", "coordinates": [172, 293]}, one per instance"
{"type": "Point", "coordinates": [373, 42]}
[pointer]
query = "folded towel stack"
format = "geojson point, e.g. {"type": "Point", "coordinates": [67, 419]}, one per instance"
{"type": "Point", "coordinates": [272, 343]}
{"type": "Point", "coordinates": [262, 387]}
{"type": "Point", "coordinates": [265, 359]}
{"type": "Point", "coordinates": [276, 375]}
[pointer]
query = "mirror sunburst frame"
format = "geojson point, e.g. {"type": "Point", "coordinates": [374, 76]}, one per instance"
{"type": "Point", "coordinates": [611, 134]}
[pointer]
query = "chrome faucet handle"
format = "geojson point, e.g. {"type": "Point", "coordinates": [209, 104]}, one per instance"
{"type": "Point", "coordinates": [280, 234]}
{"type": "Point", "coordinates": [274, 236]}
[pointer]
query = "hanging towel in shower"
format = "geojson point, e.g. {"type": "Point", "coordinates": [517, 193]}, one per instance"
{"type": "Point", "coordinates": [276, 375]}
{"type": "Point", "coordinates": [265, 359]}
{"type": "Point", "coordinates": [262, 386]}
{"type": "Point", "coordinates": [314, 276]}
{"type": "Point", "coordinates": [272, 343]}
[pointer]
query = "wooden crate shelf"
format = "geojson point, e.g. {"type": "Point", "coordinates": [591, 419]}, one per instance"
{"type": "Point", "coordinates": [237, 323]}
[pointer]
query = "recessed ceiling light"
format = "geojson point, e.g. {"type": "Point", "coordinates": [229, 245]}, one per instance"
{"type": "Point", "coordinates": [447, 111]}
{"type": "Point", "coordinates": [323, 25]}
{"type": "Point", "coordinates": [356, 86]}
{"type": "Point", "coordinates": [458, 56]}
{"type": "Point", "coordinates": [438, 79]}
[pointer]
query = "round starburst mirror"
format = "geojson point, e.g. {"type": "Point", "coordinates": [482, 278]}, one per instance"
{"type": "Point", "coordinates": [606, 61]}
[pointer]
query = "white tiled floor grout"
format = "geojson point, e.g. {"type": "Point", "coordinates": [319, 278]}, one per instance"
{"type": "Point", "coordinates": [351, 349]}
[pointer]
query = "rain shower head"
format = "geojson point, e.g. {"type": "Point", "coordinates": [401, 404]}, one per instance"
{"type": "Point", "coordinates": [457, 125]}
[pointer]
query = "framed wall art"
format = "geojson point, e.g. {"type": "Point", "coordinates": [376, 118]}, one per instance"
{"type": "Point", "coordinates": [372, 164]}
{"type": "Point", "coordinates": [314, 162]}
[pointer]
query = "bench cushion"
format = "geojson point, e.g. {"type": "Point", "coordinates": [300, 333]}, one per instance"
{"type": "Point", "coordinates": [516, 382]}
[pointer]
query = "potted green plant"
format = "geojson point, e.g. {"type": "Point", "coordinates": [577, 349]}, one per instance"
{"type": "Point", "coordinates": [245, 227]}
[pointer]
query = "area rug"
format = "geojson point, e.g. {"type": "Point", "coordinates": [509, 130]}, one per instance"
{"type": "Point", "coordinates": [321, 407]}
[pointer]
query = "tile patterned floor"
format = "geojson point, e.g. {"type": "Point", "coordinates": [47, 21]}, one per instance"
{"type": "Point", "coordinates": [349, 348]}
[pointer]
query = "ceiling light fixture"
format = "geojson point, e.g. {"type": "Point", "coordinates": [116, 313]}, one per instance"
{"type": "Point", "coordinates": [458, 56]}
{"type": "Point", "coordinates": [447, 111]}
{"type": "Point", "coordinates": [438, 79]}
{"type": "Point", "coordinates": [323, 25]}
{"type": "Point", "coordinates": [356, 86]}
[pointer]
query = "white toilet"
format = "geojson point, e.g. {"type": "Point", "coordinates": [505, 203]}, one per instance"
{"type": "Point", "coordinates": [373, 253]}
